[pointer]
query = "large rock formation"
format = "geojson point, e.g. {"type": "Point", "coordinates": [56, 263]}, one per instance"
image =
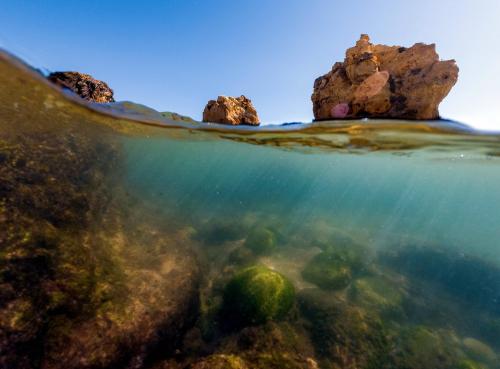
{"type": "Point", "coordinates": [87, 280]}
{"type": "Point", "coordinates": [84, 86]}
{"type": "Point", "coordinates": [231, 110]}
{"type": "Point", "coordinates": [378, 81]}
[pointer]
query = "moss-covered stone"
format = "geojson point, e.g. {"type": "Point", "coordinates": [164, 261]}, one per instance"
{"type": "Point", "coordinates": [261, 241]}
{"type": "Point", "coordinates": [470, 364]}
{"type": "Point", "coordinates": [334, 268]}
{"type": "Point", "coordinates": [74, 260]}
{"type": "Point", "coordinates": [273, 345]}
{"type": "Point", "coordinates": [478, 350]}
{"type": "Point", "coordinates": [421, 347]}
{"type": "Point", "coordinates": [220, 361]}
{"type": "Point", "coordinates": [258, 294]}
{"type": "Point", "coordinates": [469, 278]}
{"type": "Point", "coordinates": [242, 256]}
{"type": "Point", "coordinates": [381, 294]}
{"type": "Point", "coordinates": [344, 335]}
{"type": "Point", "coordinates": [219, 232]}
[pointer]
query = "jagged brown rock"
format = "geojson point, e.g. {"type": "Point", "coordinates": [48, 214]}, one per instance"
{"type": "Point", "coordinates": [378, 81]}
{"type": "Point", "coordinates": [231, 110]}
{"type": "Point", "coordinates": [84, 86]}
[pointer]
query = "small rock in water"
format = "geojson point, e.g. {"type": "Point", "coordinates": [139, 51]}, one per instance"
{"type": "Point", "coordinates": [84, 86]}
{"type": "Point", "coordinates": [261, 241]}
{"type": "Point", "coordinates": [378, 81]}
{"type": "Point", "coordinates": [231, 110]}
{"type": "Point", "coordinates": [258, 294]}
{"type": "Point", "coordinates": [334, 268]}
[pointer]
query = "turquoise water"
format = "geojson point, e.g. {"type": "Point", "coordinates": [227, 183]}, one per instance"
{"type": "Point", "coordinates": [131, 241]}
{"type": "Point", "coordinates": [451, 201]}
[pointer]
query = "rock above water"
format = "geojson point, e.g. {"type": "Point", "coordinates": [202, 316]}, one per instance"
{"type": "Point", "coordinates": [231, 110]}
{"type": "Point", "coordinates": [379, 81]}
{"type": "Point", "coordinates": [84, 86]}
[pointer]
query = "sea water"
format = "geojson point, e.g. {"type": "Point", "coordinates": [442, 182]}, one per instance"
{"type": "Point", "coordinates": [417, 203]}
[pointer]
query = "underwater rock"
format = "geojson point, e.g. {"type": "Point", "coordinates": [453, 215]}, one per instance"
{"type": "Point", "coordinates": [469, 364]}
{"type": "Point", "coordinates": [84, 86]}
{"type": "Point", "coordinates": [469, 278]}
{"type": "Point", "coordinates": [261, 241]}
{"type": "Point", "coordinates": [378, 81]}
{"type": "Point", "coordinates": [219, 232]}
{"type": "Point", "coordinates": [274, 345]}
{"type": "Point", "coordinates": [231, 110]}
{"type": "Point", "coordinates": [422, 348]}
{"type": "Point", "coordinates": [83, 282]}
{"type": "Point", "coordinates": [380, 294]}
{"type": "Point", "coordinates": [479, 350]}
{"type": "Point", "coordinates": [220, 362]}
{"type": "Point", "coordinates": [344, 335]}
{"type": "Point", "coordinates": [256, 295]}
{"type": "Point", "coordinates": [242, 256]}
{"type": "Point", "coordinates": [334, 268]}
{"type": "Point", "coordinates": [49, 187]}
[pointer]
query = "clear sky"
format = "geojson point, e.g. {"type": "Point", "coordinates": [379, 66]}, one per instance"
{"type": "Point", "coordinates": [175, 55]}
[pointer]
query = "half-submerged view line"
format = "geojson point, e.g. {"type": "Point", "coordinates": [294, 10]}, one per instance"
{"type": "Point", "coordinates": [131, 238]}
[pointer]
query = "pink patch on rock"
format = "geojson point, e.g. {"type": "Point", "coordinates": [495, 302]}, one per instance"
{"type": "Point", "coordinates": [340, 110]}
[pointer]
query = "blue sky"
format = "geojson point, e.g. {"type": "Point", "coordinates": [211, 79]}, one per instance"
{"type": "Point", "coordinates": [176, 55]}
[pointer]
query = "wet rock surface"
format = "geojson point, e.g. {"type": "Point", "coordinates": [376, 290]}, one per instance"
{"type": "Point", "coordinates": [231, 110]}
{"type": "Point", "coordinates": [83, 282]}
{"type": "Point", "coordinates": [468, 278]}
{"type": "Point", "coordinates": [84, 86]}
{"type": "Point", "coordinates": [258, 294]}
{"type": "Point", "coordinates": [345, 336]}
{"type": "Point", "coordinates": [379, 81]}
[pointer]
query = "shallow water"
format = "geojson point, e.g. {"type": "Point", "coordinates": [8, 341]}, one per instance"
{"type": "Point", "coordinates": [130, 213]}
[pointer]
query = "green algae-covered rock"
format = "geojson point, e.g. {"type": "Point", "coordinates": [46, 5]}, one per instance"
{"type": "Point", "coordinates": [344, 334]}
{"type": "Point", "coordinates": [333, 269]}
{"type": "Point", "coordinates": [421, 347]}
{"type": "Point", "coordinates": [272, 345]}
{"type": "Point", "coordinates": [469, 364]}
{"type": "Point", "coordinates": [261, 241]}
{"type": "Point", "coordinates": [84, 282]}
{"type": "Point", "coordinates": [478, 350]}
{"type": "Point", "coordinates": [242, 256]}
{"type": "Point", "coordinates": [220, 362]}
{"type": "Point", "coordinates": [219, 232]}
{"type": "Point", "coordinates": [380, 294]}
{"type": "Point", "coordinates": [258, 294]}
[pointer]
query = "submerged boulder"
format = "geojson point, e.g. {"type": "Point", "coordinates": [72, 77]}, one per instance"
{"type": "Point", "coordinates": [256, 295]}
{"type": "Point", "coordinates": [335, 267]}
{"type": "Point", "coordinates": [84, 86]}
{"type": "Point", "coordinates": [261, 241]}
{"type": "Point", "coordinates": [344, 335]}
{"type": "Point", "coordinates": [231, 110]}
{"type": "Point", "coordinates": [464, 276]}
{"type": "Point", "coordinates": [379, 81]}
{"type": "Point", "coordinates": [84, 283]}
{"type": "Point", "coordinates": [220, 362]}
